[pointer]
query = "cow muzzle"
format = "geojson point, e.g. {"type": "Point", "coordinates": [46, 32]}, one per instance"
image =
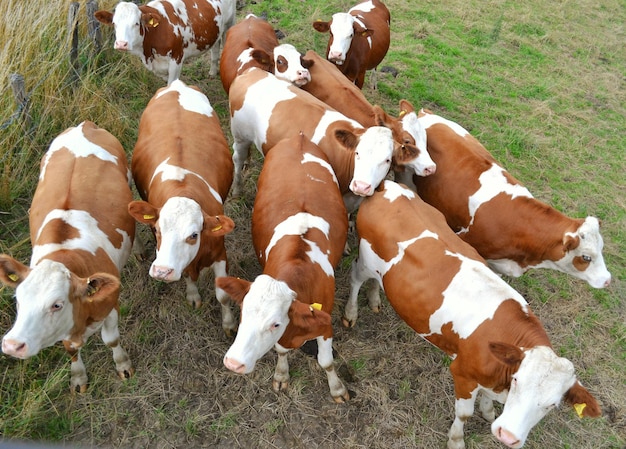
{"type": "Point", "coordinates": [166, 274]}
{"type": "Point", "coordinates": [507, 438]}
{"type": "Point", "coordinates": [14, 348]}
{"type": "Point", "coordinates": [121, 45]}
{"type": "Point", "coordinates": [361, 188]}
{"type": "Point", "coordinates": [302, 77]}
{"type": "Point", "coordinates": [234, 365]}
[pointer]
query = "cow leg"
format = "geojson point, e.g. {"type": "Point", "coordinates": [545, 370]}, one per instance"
{"type": "Point", "coordinates": [173, 72]}
{"type": "Point", "coordinates": [228, 319]}
{"type": "Point", "coordinates": [78, 373]}
{"type": "Point", "coordinates": [281, 374]}
{"type": "Point", "coordinates": [241, 152]}
{"type": "Point", "coordinates": [358, 275]}
{"type": "Point", "coordinates": [485, 405]}
{"type": "Point", "coordinates": [325, 359]}
{"type": "Point", "coordinates": [463, 410]}
{"type": "Point", "coordinates": [192, 294]}
{"type": "Point", "coordinates": [215, 58]}
{"type": "Point", "coordinates": [111, 337]}
{"type": "Point", "coordinates": [139, 246]}
{"type": "Point", "coordinates": [373, 296]}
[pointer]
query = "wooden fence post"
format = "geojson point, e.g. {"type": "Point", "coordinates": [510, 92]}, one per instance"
{"type": "Point", "coordinates": [93, 26]}
{"type": "Point", "coordinates": [72, 24]}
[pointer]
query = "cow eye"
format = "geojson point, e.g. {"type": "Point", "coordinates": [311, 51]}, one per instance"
{"type": "Point", "coordinates": [587, 258]}
{"type": "Point", "coordinates": [56, 306]}
{"type": "Point", "coordinates": [275, 325]}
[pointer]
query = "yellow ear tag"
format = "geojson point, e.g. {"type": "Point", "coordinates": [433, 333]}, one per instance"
{"type": "Point", "coordinates": [579, 409]}
{"type": "Point", "coordinates": [402, 112]}
{"type": "Point", "coordinates": [14, 277]}
{"type": "Point", "coordinates": [316, 306]}
{"type": "Point", "coordinates": [148, 217]}
{"type": "Point", "coordinates": [153, 23]}
{"type": "Point", "coordinates": [216, 228]}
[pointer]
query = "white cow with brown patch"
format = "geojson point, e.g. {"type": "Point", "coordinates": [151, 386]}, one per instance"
{"type": "Point", "coordinates": [81, 235]}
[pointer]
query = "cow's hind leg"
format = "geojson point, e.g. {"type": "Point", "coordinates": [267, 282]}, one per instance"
{"type": "Point", "coordinates": [325, 358]}
{"type": "Point", "coordinates": [111, 337]}
{"type": "Point", "coordinates": [215, 58]}
{"type": "Point", "coordinates": [241, 151]}
{"type": "Point", "coordinates": [358, 276]}
{"type": "Point", "coordinates": [228, 319]}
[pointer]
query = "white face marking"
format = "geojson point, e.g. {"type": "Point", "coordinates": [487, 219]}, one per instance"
{"type": "Point", "coordinates": [188, 98]}
{"type": "Point", "coordinates": [309, 158]}
{"type": "Point", "coordinates": [252, 121]}
{"type": "Point", "coordinates": [492, 183]}
{"type": "Point", "coordinates": [173, 173]}
{"type": "Point", "coordinates": [264, 318]}
{"type": "Point", "coordinates": [414, 127]}
{"type": "Point", "coordinates": [299, 224]}
{"type": "Point", "coordinates": [487, 292]}
{"type": "Point", "coordinates": [372, 158]}
{"type": "Point", "coordinates": [538, 386]}
{"type": "Point", "coordinates": [75, 141]}
{"type": "Point", "coordinates": [180, 223]}
{"type": "Point", "coordinates": [90, 238]}
{"type": "Point", "coordinates": [44, 312]}
{"type": "Point", "coordinates": [342, 29]}
{"type": "Point", "coordinates": [295, 73]}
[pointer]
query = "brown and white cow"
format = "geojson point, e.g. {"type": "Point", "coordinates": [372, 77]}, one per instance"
{"type": "Point", "coordinates": [298, 235]}
{"type": "Point", "coordinates": [497, 215]}
{"type": "Point", "coordinates": [81, 236]}
{"type": "Point", "coordinates": [252, 42]}
{"type": "Point", "coordinates": [164, 33]}
{"type": "Point", "coordinates": [265, 110]}
{"type": "Point", "coordinates": [329, 85]}
{"type": "Point", "coordinates": [442, 288]}
{"type": "Point", "coordinates": [183, 170]}
{"type": "Point", "coordinates": [359, 39]}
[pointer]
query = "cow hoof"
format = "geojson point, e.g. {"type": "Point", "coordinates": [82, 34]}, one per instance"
{"type": "Point", "coordinates": [376, 309]}
{"type": "Point", "coordinates": [347, 323]}
{"type": "Point", "coordinates": [80, 389]}
{"type": "Point", "coordinates": [230, 332]}
{"type": "Point", "coordinates": [343, 398]}
{"type": "Point", "coordinates": [279, 386]}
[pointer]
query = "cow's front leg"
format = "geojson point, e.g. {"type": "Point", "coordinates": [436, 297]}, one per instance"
{"type": "Point", "coordinates": [78, 373]}
{"type": "Point", "coordinates": [463, 410]}
{"type": "Point", "coordinates": [281, 374]}
{"type": "Point", "coordinates": [192, 294]}
{"type": "Point", "coordinates": [173, 71]}
{"type": "Point", "coordinates": [228, 318]}
{"type": "Point", "coordinates": [485, 406]}
{"type": "Point", "coordinates": [215, 58]}
{"type": "Point", "coordinates": [325, 359]}
{"type": "Point", "coordinates": [111, 337]}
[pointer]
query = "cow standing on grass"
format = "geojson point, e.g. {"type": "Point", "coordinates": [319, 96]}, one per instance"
{"type": "Point", "coordinates": [81, 236]}
{"type": "Point", "coordinates": [298, 235]}
{"type": "Point", "coordinates": [359, 39]}
{"type": "Point", "coordinates": [497, 215]}
{"type": "Point", "coordinates": [441, 287]}
{"type": "Point", "coordinates": [183, 170]}
{"type": "Point", "coordinates": [252, 42]}
{"type": "Point", "coordinates": [165, 33]}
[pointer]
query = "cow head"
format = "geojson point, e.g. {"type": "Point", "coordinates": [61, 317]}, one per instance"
{"type": "Point", "coordinates": [582, 254]}
{"type": "Point", "coordinates": [373, 149]}
{"type": "Point", "coordinates": [541, 380]}
{"type": "Point", "coordinates": [180, 227]}
{"type": "Point", "coordinates": [268, 306]}
{"type": "Point", "coordinates": [130, 24]}
{"type": "Point", "coordinates": [53, 304]}
{"type": "Point", "coordinates": [342, 27]}
{"type": "Point", "coordinates": [291, 66]}
{"type": "Point", "coordinates": [411, 152]}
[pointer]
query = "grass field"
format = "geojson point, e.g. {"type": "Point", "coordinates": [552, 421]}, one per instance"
{"type": "Point", "coordinates": [541, 84]}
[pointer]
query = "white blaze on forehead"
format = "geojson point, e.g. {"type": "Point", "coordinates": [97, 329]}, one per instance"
{"type": "Point", "coordinates": [342, 30]}
{"type": "Point", "coordinates": [178, 219]}
{"type": "Point", "coordinates": [299, 224]}
{"type": "Point", "coordinates": [492, 183]}
{"type": "Point", "coordinates": [538, 386]}
{"type": "Point", "coordinates": [472, 297]}
{"type": "Point", "coordinates": [174, 173]}
{"type": "Point", "coordinates": [90, 237]}
{"type": "Point", "coordinates": [375, 149]}
{"type": "Point", "coordinates": [309, 158]}
{"type": "Point", "coordinates": [188, 98]}
{"type": "Point", "coordinates": [76, 143]}
{"type": "Point", "coordinates": [47, 284]}
{"type": "Point", "coordinates": [264, 318]}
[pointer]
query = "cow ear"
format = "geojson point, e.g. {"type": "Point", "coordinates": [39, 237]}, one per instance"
{"type": "Point", "coordinates": [321, 26]}
{"type": "Point", "coordinates": [508, 354]}
{"type": "Point", "coordinates": [308, 322]}
{"type": "Point", "coordinates": [403, 153]}
{"type": "Point", "coordinates": [381, 118]}
{"type": "Point", "coordinates": [104, 17]}
{"type": "Point", "coordinates": [99, 288]}
{"type": "Point", "coordinates": [347, 139]}
{"type": "Point", "coordinates": [236, 288]}
{"type": "Point", "coordinates": [218, 225]}
{"type": "Point", "coordinates": [12, 272]}
{"type": "Point", "coordinates": [405, 108]}
{"type": "Point", "coordinates": [306, 63]}
{"type": "Point", "coordinates": [582, 401]}
{"type": "Point", "coordinates": [150, 20]}
{"type": "Point", "coordinates": [143, 212]}
{"type": "Point", "coordinates": [262, 57]}
{"type": "Point", "coordinates": [570, 242]}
